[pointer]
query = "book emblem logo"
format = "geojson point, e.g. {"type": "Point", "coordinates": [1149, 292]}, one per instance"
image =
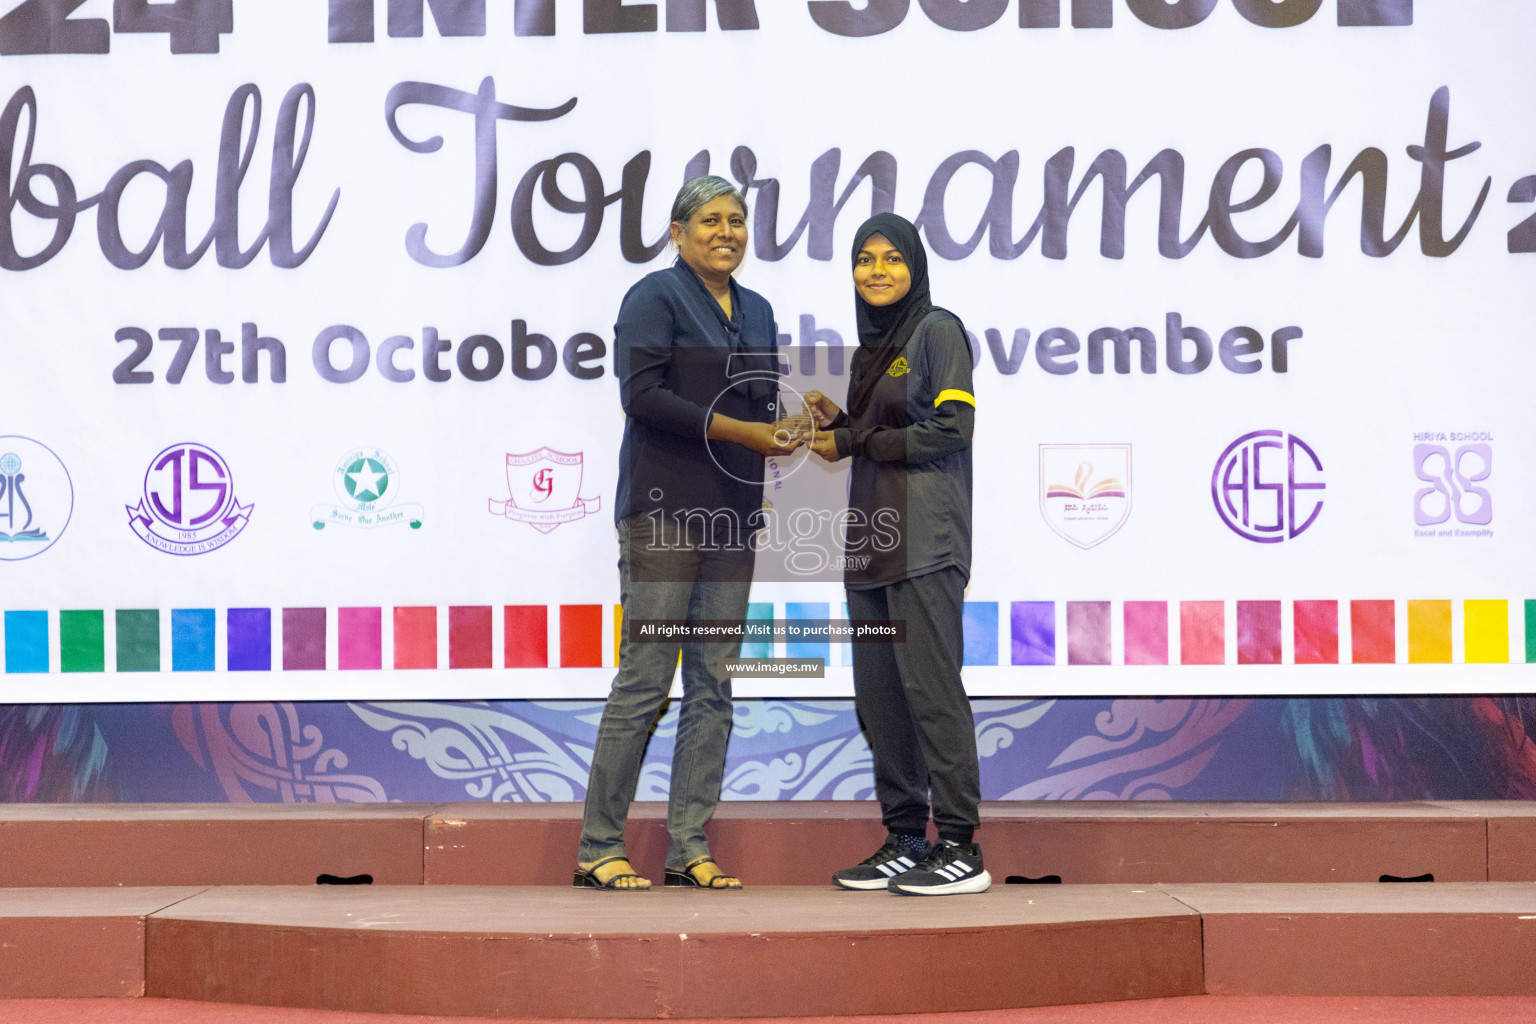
{"type": "Point", "coordinates": [37, 498]}
{"type": "Point", "coordinates": [544, 490]}
{"type": "Point", "coordinates": [367, 482]}
{"type": "Point", "coordinates": [1085, 490]}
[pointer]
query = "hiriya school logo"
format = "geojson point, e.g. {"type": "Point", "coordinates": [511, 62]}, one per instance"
{"type": "Point", "coordinates": [368, 483]}
{"type": "Point", "coordinates": [1453, 469]}
{"type": "Point", "coordinates": [544, 490]}
{"type": "Point", "coordinates": [1268, 486]}
{"type": "Point", "coordinates": [189, 505]}
{"type": "Point", "coordinates": [36, 498]}
{"type": "Point", "coordinates": [1085, 490]}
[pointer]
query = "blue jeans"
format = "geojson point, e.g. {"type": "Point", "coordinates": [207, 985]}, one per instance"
{"type": "Point", "coordinates": [678, 582]}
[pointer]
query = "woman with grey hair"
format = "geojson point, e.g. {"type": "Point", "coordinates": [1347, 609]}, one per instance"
{"type": "Point", "coordinates": [690, 482]}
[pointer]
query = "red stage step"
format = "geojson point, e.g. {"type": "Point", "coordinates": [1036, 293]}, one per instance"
{"type": "Point", "coordinates": [1511, 836]}
{"type": "Point", "coordinates": [559, 952]}
{"type": "Point", "coordinates": [1148, 841]}
{"type": "Point", "coordinates": [1347, 939]}
{"type": "Point", "coordinates": [767, 951]}
{"type": "Point", "coordinates": [802, 843]}
{"type": "Point", "coordinates": [782, 843]}
{"type": "Point", "coordinates": [208, 844]}
{"type": "Point", "coordinates": [77, 942]}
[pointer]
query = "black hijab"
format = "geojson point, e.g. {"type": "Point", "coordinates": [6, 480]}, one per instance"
{"type": "Point", "coordinates": [885, 330]}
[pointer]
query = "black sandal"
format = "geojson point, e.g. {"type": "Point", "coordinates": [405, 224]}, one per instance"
{"type": "Point", "coordinates": [588, 879]}
{"type": "Point", "coordinates": [686, 878]}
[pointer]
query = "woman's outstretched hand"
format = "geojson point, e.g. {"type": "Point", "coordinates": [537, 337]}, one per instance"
{"type": "Point", "coordinates": [821, 408]}
{"type": "Point", "coordinates": [825, 445]}
{"type": "Point", "coordinates": [778, 438]}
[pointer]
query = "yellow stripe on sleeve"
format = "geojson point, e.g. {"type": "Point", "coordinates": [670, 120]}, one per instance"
{"type": "Point", "coordinates": [955, 394]}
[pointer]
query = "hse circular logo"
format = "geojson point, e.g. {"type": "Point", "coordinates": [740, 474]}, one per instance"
{"type": "Point", "coordinates": [189, 505]}
{"type": "Point", "coordinates": [1268, 486]}
{"type": "Point", "coordinates": [37, 498]}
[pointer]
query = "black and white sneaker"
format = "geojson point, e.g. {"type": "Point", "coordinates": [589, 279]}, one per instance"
{"type": "Point", "coordinates": [890, 861]}
{"type": "Point", "coordinates": [946, 871]}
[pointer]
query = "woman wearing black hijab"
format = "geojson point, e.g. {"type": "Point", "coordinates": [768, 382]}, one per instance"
{"type": "Point", "coordinates": [908, 428]}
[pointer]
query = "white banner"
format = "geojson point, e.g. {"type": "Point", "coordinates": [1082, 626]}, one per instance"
{"type": "Point", "coordinates": [306, 370]}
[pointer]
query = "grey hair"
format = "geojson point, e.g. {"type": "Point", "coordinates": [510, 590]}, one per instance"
{"type": "Point", "coordinates": [697, 192]}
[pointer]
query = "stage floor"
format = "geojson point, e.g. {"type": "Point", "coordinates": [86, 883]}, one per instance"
{"type": "Point", "coordinates": [1220, 899]}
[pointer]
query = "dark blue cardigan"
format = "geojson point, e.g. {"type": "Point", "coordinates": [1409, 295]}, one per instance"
{"type": "Point", "coordinates": [677, 359]}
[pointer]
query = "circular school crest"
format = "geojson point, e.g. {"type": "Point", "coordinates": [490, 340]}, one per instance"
{"type": "Point", "coordinates": [37, 498]}
{"type": "Point", "coordinates": [189, 505]}
{"type": "Point", "coordinates": [366, 481]}
{"type": "Point", "coordinates": [362, 478]}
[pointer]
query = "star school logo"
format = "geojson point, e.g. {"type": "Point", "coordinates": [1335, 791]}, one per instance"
{"type": "Point", "coordinates": [899, 368]}
{"type": "Point", "coordinates": [189, 505]}
{"type": "Point", "coordinates": [1085, 490]}
{"type": "Point", "coordinates": [367, 482]}
{"type": "Point", "coordinates": [36, 498]}
{"type": "Point", "coordinates": [366, 479]}
{"type": "Point", "coordinates": [543, 490]}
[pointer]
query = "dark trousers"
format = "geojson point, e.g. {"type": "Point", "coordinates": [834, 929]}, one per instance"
{"type": "Point", "coordinates": [666, 578]}
{"type": "Point", "coordinates": [913, 706]}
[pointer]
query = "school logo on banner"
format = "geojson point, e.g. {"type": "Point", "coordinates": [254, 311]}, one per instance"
{"type": "Point", "coordinates": [544, 490]}
{"type": "Point", "coordinates": [37, 498]}
{"type": "Point", "coordinates": [1456, 467]}
{"type": "Point", "coordinates": [368, 482]}
{"type": "Point", "coordinates": [1268, 486]}
{"type": "Point", "coordinates": [189, 505]}
{"type": "Point", "coordinates": [1085, 490]}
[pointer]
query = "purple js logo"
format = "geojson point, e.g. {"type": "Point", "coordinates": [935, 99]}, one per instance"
{"type": "Point", "coordinates": [1453, 476]}
{"type": "Point", "coordinates": [189, 505]}
{"type": "Point", "coordinates": [1263, 485]}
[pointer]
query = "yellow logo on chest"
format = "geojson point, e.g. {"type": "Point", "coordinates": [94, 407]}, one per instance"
{"type": "Point", "coordinates": [899, 368]}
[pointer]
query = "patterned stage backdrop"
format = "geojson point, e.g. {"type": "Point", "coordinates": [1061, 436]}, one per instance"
{"type": "Point", "coordinates": [1068, 749]}
{"type": "Point", "coordinates": [307, 389]}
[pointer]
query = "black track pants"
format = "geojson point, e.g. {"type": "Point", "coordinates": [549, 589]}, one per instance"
{"type": "Point", "coordinates": [913, 706]}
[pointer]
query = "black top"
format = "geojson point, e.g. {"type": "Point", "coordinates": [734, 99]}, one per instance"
{"type": "Point", "coordinates": [910, 491]}
{"type": "Point", "coordinates": [678, 358]}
